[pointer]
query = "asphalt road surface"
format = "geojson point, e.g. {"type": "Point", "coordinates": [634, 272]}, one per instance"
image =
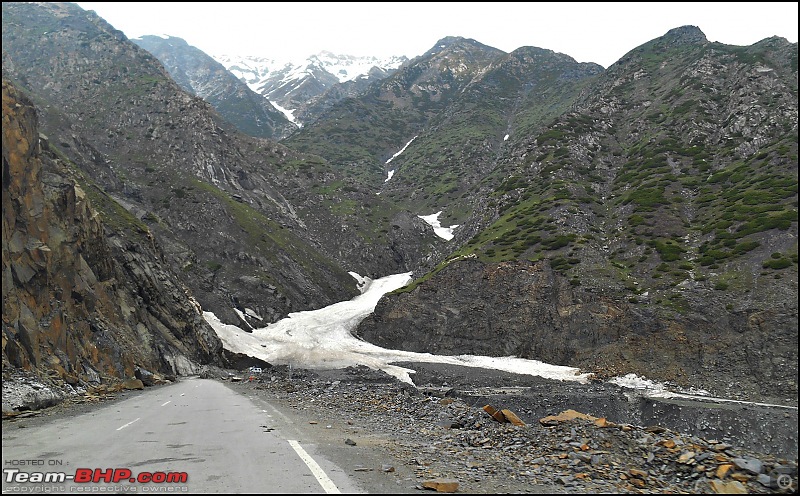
{"type": "Point", "coordinates": [195, 436]}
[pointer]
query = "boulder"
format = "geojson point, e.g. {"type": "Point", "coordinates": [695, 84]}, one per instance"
{"type": "Point", "coordinates": [441, 485]}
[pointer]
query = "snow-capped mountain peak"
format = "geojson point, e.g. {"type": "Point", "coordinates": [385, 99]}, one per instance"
{"type": "Point", "coordinates": [292, 84]}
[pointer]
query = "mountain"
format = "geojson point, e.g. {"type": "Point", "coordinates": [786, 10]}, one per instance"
{"type": "Point", "coordinates": [514, 95]}
{"type": "Point", "coordinates": [649, 228]}
{"type": "Point", "coordinates": [359, 134]}
{"type": "Point", "coordinates": [306, 88]}
{"type": "Point", "coordinates": [246, 222]}
{"type": "Point", "coordinates": [202, 76]}
{"type": "Point", "coordinates": [84, 301]}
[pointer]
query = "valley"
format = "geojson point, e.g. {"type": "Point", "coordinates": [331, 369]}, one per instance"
{"type": "Point", "coordinates": [392, 234]}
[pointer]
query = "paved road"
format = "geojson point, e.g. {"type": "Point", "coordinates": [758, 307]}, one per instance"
{"type": "Point", "coordinates": [222, 441]}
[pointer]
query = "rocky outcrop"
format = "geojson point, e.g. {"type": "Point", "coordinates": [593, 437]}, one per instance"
{"type": "Point", "coordinates": [528, 310]}
{"type": "Point", "coordinates": [83, 303]}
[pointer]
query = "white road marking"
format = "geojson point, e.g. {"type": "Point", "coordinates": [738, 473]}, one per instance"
{"type": "Point", "coordinates": [327, 484]}
{"type": "Point", "coordinates": [129, 423]}
{"type": "Point", "coordinates": [168, 402]}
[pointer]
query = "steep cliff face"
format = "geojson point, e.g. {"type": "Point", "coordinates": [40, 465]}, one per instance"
{"type": "Point", "coordinates": [83, 302]}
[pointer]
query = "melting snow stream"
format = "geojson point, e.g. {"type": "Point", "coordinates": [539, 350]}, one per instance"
{"type": "Point", "coordinates": [322, 339]}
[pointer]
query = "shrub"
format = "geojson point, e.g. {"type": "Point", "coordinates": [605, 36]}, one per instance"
{"type": "Point", "coordinates": [778, 264]}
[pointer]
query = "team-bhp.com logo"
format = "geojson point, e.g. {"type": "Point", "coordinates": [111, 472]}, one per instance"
{"type": "Point", "coordinates": [94, 476]}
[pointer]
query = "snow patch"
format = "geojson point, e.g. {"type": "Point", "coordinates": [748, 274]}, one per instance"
{"type": "Point", "coordinates": [401, 150]}
{"type": "Point", "coordinates": [652, 389]}
{"type": "Point", "coordinates": [288, 113]}
{"type": "Point", "coordinates": [442, 232]}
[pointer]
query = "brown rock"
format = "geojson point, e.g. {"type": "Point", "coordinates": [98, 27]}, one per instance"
{"type": "Point", "coordinates": [638, 483]}
{"type": "Point", "coordinates": [441, 485]}
{"type": "Point", "coordinates": [603, 422]}
{"type": "Point", "coordinates": [512, 417]}
{"type": "Point", "coordinates": [740, 477]}
{"type": "Point", "coordinates": [667, 443]}
{"type": "Point", "coordinates": [565, 416]}
{"type": "Point", "coordinates": [733, 487]}
{"type": "Point", "coordinates": [132, 384]}
{"type": "Point", "coordinates": [723, 470]}
{"type": "Point", "coordinates": [495, 413]}
{"type": "Point", "coordinates": [638, 473]}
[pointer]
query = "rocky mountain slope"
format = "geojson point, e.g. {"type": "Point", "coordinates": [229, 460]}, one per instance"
{"type": "Point", "coordinates": [84, 301]}
{"type": "Point", "coordinates": [307, 88]}
{"type": "Point", "coordinates": [201, 75]}
{"type": "Point", "coordinates": [651, 228]}
{"type": "Point", "coordinates": [514, 95]}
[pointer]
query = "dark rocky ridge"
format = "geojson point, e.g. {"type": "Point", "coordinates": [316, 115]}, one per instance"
{"type": "Point", "coordinates": [515, 94]}
{"type": "Point", "coordinates": [83, 302]}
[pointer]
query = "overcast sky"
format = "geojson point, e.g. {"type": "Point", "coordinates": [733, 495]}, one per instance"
{"type": "Point", "coordinates": [589, 32]}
